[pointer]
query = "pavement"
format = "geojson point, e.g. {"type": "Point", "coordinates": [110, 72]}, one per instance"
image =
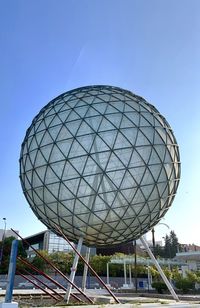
{"type": "Point", "coordinates": [127, 300]}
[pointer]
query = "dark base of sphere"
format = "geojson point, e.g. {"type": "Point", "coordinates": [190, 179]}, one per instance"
{"type": "Point", "coordinates": [101, 163]}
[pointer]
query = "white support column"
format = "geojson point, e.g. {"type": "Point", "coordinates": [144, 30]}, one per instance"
{"type": "Point", "coordinates": [73, 270]}
{"type": "Point", "coordinates": [125, 277]}
{"type": "Point", "coordinates": [130, 276]}
{"type": "Point", "coordinates": [145, 244]}
{"type": "Point", "coordinates": [85, 271]}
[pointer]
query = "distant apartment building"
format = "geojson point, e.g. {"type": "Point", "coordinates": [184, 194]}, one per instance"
{"type": "Point", "coordinates": [51, 242]}
{"type": "Point", "coordinates": [189, 247]}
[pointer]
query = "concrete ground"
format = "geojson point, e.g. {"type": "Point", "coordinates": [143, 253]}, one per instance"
{"type": "Point", "coordinates": [127, 300]}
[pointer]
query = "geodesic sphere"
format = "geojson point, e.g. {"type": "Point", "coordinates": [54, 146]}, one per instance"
{"type": "Point", "coordinates": [101, 163]}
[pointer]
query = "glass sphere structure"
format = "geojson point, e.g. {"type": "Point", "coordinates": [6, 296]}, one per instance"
{"type": "Point", "coordinates": [101, 163]}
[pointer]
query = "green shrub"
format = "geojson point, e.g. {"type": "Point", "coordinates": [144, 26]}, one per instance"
{"type": "Point", "coordinates": [159, 286]}
{"type": "Point", "coordinates": [184, 284]}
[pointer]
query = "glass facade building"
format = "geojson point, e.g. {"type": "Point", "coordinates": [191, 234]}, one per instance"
{"type": "Point", "coordinates": [101, 163]}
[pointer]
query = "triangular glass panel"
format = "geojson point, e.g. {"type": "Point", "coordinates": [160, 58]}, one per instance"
{"type": "Point", "coordinates": [93, 180]}
{"type": "Point", "coordinates": [119, 106]}
{"type": "Point", "coordinates": [108, 137]}
{"type": "Point", "coordinates": [55, 121]}
{"type": "Point", "coordinates": [143, 121]}
{"type": "Point", "coordinates": [31, 158]}
{"type": "Point", "coordinates": [108, 197]}
{"type": "Point", "coordinates": [115, 119]}
{"type": "Point", "coordinates": [64, 133]}
{"type": "Point", "coordinates": [80, 208]}
{"type": "Point", "coordinates": [64, 146]}
{"type": "Point", "coordinates": [84, 189]}
{"type": "Point", "coordinates": [39, 137]}
{"type": "Point", "coordinates": [27, 162]}
{"type": "Point", "coordinates": [128, 181]}
{"type": "Point", "coordinates": [121, 142]}
{"type": "Point", "coordinates": [155, 171]}
{"type": "Point", "coordinates": [134, 117]}
{"type": "Point", "coordinates": [99, 145]}
{"type": "Point", "coordinates": [119, 201]}
{"type": "Point", "coordinates": [68, 172]}
{"type": "Point", "coordinates": [116, 177]}
{"type": "Point", "coordinates": [78, 163]}
{"type": "Point", "coordinates": [86, 141]}
{"type": "Point", "coordinates": [41, 127]}
{"type": "Point", "coordinates": [46, 151]}
{"type": "Point", "coordinates": [99, 205]}
{"type": "Point", "coordinates": [101, 160]}
{"type": "Point", "coordinates": [54, 131]}
{"type": "Point", "coordinates": [34, 128]}
{"type": "Point", "coordinates": [126, 123]}
{"type": "Point", "coordinates": [128, 194]}
{"type": "Point", "coordinates": [56, 154]}
{"type": "Point", "coordinates": [47, 139]}
{"type": "Point", "coordinates": [68, 204]}
{"type": "Point", "coordinates": [111, 109]}
{"type": "Point", "coordinates": [63, 115]}
{"type": "Point", "coordinates": [73, 126]}
{"type": "Point", "coordinates": [125, 155]}
{"type": "Point", "coordinates": [114, 163]}
{"type": "Point", "coordinates": [72, 185]}
{"type": "Point", "coordinates": [73, 116]}
{"type": "Point", "coordinates": [64, 212]}
{"type": "Point", "coordinates": [142, 140]}
{"type": "Point", "coordinates": [87, 202]}
{"type": "Point", "coordinates": [91, 167]}
{"type": "Point", "coordinates": [155, 158]}
{"type": "Point", "coordinates": [84, 129]}
{"type": "Point", "coordinates": [130, 134]}
{"type": "Point", "coordinates": [84, 217]}
{"type": "Point", "coordinates": [100, 107]}
{"type": "Point", "coordinates": [106, 125]}
{"type": "Point", "coordinates": [105, 97]}
{"type": "Point", "coordinates": [149, 192]}
{"type": "Point", "coordinates": [37, 198]}
{"type": "Point", "coordinates": [76, 150]}
{"type": "Point", "coordinates": [54, 189]}
{"type": "Point", "coordinates": [149, 133]}
{"type": "Point", "coordinates": [36, 181]}
{"type": "Point", "coordinates": [32, 143]}
{"type": "Point", "coordinates": [48, 119]}
{"type": "Point", "coordinates": [94, 122]}
{"type": "Point", "coordinates": [149, 118]}
{"type": "Point", "coordinates": [162, 177]}
{"type": "Point", "coordinates": [81, 110]}
{"type": "Point", "coordinates": [64, 192]}
{"type": "Point", "coordinates": [138, 197]}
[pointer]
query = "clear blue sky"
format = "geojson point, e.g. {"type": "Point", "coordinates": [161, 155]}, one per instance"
{"type": "Point", "coordinates": [150, 47]}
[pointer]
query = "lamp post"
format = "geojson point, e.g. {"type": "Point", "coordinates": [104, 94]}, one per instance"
{"type": "Point", "coordinates": [153, 236]}
{"type": "Point", "coordinates": [3, 239]}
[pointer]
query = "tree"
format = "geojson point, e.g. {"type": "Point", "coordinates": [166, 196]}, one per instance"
{"type": "Point", "coordinates": [6, 253]}
{"type": "Point", "coordinates": [171, 245]}
{"type": "Point", "coordinates": [62, 260]}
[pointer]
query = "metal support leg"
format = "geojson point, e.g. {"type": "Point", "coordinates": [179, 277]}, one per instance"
{"type": "Point", "coordinates": [144, 242]}
{"type": "Point", "coordinates": [73, 270]}
{"type": "Point", "coordinates": [85, 271]}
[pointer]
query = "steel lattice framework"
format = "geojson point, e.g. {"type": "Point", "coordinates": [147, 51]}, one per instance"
{"type": "Point", "coordinates": [100, 162]}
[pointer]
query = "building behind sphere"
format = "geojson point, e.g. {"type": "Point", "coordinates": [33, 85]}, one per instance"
{"type": "Point", "coordinates": [101, 163]}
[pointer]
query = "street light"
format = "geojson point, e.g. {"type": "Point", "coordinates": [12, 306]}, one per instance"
{"type": "Point", "coordinates": [3, 239]}
{"type": "Point", "coordinates": [153, 236]}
